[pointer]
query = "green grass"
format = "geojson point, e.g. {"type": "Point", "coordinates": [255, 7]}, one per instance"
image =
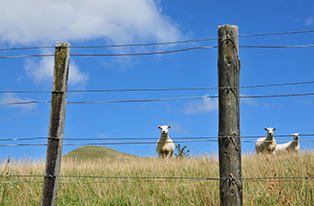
{"type": "Point", "coordinates": [96, 152]}
{"type": "Point", "coordinates": [115, 191]}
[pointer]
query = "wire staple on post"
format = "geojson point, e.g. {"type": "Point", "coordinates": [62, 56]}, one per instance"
{"type": "Point", "coordinates": [231, 179]}
{"type": "Point", "coordinates": [54, 138]}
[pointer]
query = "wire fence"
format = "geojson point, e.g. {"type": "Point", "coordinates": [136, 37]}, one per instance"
{"type": "Point", "coordinates": [182, 139]}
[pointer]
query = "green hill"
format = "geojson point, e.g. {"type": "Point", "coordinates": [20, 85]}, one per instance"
{"type": "Point", "coordinates": [97, 152]}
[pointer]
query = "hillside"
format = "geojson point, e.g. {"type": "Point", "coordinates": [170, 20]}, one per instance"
{"type": "Point", "coordinates": [97, 152]}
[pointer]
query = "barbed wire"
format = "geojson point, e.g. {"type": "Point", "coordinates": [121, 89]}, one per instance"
{"type": "Point", "coordinates": [162, 89]}
{"type": "Point", "coordinates": [277, 47]}
{"type": "Point", "coordinates": [276, 95]}
{"type": "Point", "coordinates": [160, 43]}
{"type": "Point", "coordinates": [139, 143]}
{"type": "Point", "coordinates": [148, 138]}
{"type": "Point", "coordinates": [149, 179]}
{"type": "Point", "coordinates": [113, 55]}
{"type": "Point", "coordinates": [151, 53]}
{"type": "Point", "coordinates": [23, 139]}
{"type": "Point", "coordinates": [115, 101]}
{"type": "Point", "coordinates": [24, 56]}
{"type": "Point", "coordinates": [156, 100]}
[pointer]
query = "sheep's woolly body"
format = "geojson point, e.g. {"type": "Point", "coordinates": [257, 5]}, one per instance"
{"type": "Point", "coordinates": [266, 145]}
{"type": "Point", "coordinates": [165, 145]}
{"type": "Point", "coordinates": [290, 147]}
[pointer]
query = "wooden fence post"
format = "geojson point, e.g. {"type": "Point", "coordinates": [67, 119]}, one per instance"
{"type": "Point", "coordinates": [231, 191]}
{"type": "Point", "coordinates": [56, 125]}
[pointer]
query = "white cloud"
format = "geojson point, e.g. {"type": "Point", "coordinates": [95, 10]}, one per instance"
{"type": "Point", "coordinates": [13, 98]}
{"type": "Point", "coordinates": [42, 71]}
{"type": "Point", "coordinates": [309, 21]}
{"type": "Point", "coordinates": [118, 21]}
{"type": "Point", "coordinates": [101, 135]}
{"type": "Point", "coordinates": [176, 127]}
{"type": "Point", "coordinates": [201, 106]}
{"type": "Point", "coordinates": [76, 76]}
{"type": "Point", "coordinates": [306, 21]}
{"type": "Point", "coordinates": [249, 101]}
{"type": "Point", "coordinates": [209, 105]}
{"type": "Point", "coordinates": [28, 22]}
{"type": "Point", "coordinates": [304, 101]}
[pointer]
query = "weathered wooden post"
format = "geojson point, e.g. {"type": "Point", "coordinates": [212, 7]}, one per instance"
{"type": "Point", "coordinates": [231, 190]}
{"type": "Point", "coordinates": [56, 125]}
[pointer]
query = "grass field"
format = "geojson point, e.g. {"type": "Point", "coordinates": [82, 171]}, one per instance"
{"type": "Point", "coordinates": [158, 191]}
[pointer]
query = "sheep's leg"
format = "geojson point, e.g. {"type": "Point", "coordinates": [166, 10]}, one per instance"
{"type": "Point", "coordinates": [167, 153]}
{"type": "Point", "coordinates": [257, 151]}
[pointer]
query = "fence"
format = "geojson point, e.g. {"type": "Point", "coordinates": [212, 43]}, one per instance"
{"type": "Point", "coordinates": [54, 175]}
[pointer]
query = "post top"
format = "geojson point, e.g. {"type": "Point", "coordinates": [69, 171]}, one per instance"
{"type": "Point", "coordinates": [62, 44]}
{"type": "Point", "coordinates": [228, 25]}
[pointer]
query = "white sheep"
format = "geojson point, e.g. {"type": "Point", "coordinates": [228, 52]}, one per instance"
{"type": "Point", "coordinates": [290, 147]}
{"type": "Point", "coordinates": [165, 145]}
{"type": "Point", "coordinates": [266, 145]}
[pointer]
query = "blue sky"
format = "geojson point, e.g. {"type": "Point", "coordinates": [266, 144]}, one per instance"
{"type": "Point", "coordinates": [84, 23]}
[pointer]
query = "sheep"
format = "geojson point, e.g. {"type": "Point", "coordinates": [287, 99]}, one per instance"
{"type": "Point", "coordinates": [165, 145]}
{"type": "Point", "coordinates": [290, 147]}
{"type": "Point", "coordinates": [266, 145]}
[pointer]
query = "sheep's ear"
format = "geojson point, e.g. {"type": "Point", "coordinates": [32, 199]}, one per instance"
{"type": "Point", "coordinates": [159, 127]}
{"type": "Point", "coordinates": [291, 134]}
{"type": "Point", "coordinates": [169, 126]}
{"type": "Point", "coordinates": [274, 129]}
{"type": "Point", "coordinates": [265, 128]}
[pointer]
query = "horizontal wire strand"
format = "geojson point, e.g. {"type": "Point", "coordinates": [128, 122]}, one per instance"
{"type": "Point", "coordinates": [156, 100]}
{"type": "Point", "coordinates": [164, 43]}
{"type": "Point", "coordinates": [113, 55]}
{"type": "Point", "coordinates": [138, 143]}
{"type": "Point", "coordinates": [277, 47]}
{"type": "Point", "coordinates": [151, 53]}
{"type": "Point", "coordinates": [159, 178]}
{"type": "Point", "coordinates": [148, 138]}
{"type": "Point", "coordinates": [164, 89]}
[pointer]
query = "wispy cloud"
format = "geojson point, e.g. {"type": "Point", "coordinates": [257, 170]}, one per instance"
{"type": "Point", "coordinates": [211, 104]}
{"type": "Point", "coordinates": [306, 21]}
{"type": "Point", "coordinates": [12, 98]}
{"type": "Point", "coordinates": [249, 101]}
{"type": "Point", "coordinates": [309, 21]}
{"type": "Point", "coordinates": [304, 101]}
{"type": "Point", "coordinates": [201, 106]}
{"type": "Point", "coordinates": [118, 21]}
{"type": "Point", "coordinates": [101, 135]}
{"type": "Point", "coordinates": [177, 127]}
{"type": "Point", "coordinates": [41, 71]}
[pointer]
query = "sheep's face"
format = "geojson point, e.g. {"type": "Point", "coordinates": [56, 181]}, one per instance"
{"type": "Point", "coordinates": [295, 136]}
{"type": "Point", "coordinates": [270, 131]}
{"type": "Point", "coordinates": [164, 129]}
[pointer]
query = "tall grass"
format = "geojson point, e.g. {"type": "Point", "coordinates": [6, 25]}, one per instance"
{"type": "Point", "coordinates": [116, 191]}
